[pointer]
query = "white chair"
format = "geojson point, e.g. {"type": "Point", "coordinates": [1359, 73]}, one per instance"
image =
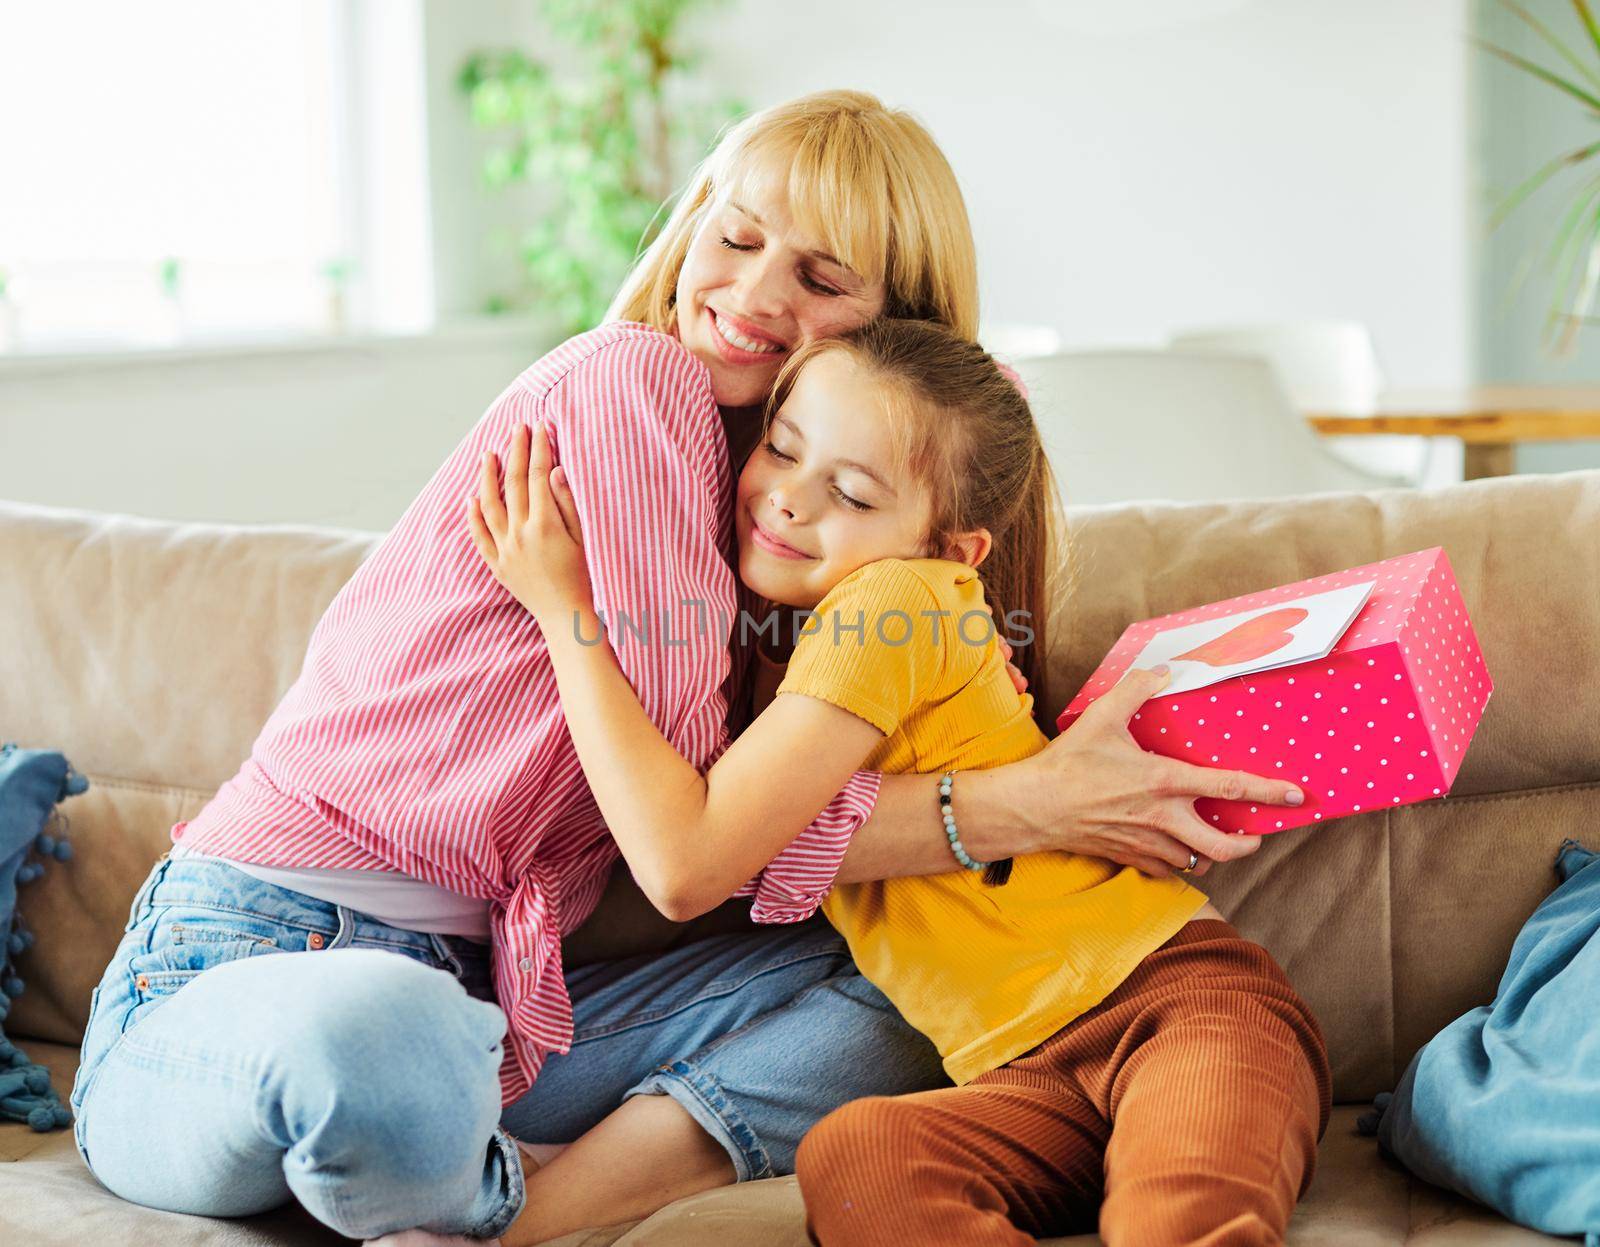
{"type": "Point", "coordinates": [1327, 366]}
{"type": "Point", "coordinates": [1133, 425]}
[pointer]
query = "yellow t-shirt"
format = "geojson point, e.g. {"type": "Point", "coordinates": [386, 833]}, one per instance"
{"type": "Point", "coordinates": [985, 972]}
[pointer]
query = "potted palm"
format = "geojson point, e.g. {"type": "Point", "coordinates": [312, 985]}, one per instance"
{"type": "Point", "coordinates": [1573, 253]}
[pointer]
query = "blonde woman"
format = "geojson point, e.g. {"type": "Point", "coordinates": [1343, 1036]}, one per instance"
{"type": "Point", "coordinates": [413, 829]}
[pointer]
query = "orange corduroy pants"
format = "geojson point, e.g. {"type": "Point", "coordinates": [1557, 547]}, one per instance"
{"type": "Point", "coordinates": [1185, 1108]}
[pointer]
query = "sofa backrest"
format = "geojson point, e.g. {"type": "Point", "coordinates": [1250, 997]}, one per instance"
{"type": "Point", "coordinates": [151, 653]}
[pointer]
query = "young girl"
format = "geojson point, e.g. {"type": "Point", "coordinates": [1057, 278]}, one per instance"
{"type": "Point", "coordinates": [895, 462]}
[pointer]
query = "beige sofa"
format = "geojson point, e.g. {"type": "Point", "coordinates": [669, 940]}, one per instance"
{"type": "Point", "coordinates": [150, 653]}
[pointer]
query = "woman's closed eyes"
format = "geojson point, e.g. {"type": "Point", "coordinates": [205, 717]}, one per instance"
{"type": "Point", "coordinates": [806, 279]}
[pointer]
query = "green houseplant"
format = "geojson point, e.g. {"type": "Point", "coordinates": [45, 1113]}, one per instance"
{"type": "Point", "coordinates": [606, 129]}
{"type": "Point", "coordinates": [1574, 250]}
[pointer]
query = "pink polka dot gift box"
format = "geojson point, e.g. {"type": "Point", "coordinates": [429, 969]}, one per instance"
{"type": "Point", "coordinates": [1364, 687]}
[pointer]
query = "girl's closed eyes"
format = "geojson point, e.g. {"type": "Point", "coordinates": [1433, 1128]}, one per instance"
{"type": "Point", "coordinates": [855, 504]}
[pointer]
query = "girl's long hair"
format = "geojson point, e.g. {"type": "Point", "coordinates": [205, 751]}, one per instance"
{"type": "Point", "coordinates": [866, 180]}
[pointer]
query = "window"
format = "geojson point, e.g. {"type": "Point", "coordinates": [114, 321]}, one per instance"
{"type": "Point", "coordinates": [203, 170]}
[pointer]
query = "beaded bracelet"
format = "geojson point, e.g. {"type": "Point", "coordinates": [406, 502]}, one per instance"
{"type": "Point", "coordinates": [946, 782]}
{"type": "Point", "coordinates": [996, 873]}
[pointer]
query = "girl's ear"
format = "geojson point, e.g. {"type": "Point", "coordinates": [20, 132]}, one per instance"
{"type": "Point", "coordinates": [970, 548]}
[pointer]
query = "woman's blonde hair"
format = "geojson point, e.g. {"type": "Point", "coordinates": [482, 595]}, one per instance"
{"type": "Point", "coordinates": [966, 431]}
{"type": "Point", "coordinates": [866, 180]}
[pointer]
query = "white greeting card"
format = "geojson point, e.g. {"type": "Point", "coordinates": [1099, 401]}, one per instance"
{"type": "Point", "coordinates": [1258, 639]}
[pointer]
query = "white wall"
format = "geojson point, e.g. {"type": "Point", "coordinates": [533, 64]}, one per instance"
{"type": "Point", "coordinates": [344, 433]}
{"type": "Point", "coordinates": [1233, 161]}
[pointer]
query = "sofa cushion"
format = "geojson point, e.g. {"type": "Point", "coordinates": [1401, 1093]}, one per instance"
{"type": "Point", "coordinates": [1390, 924]}
{"type": "Point", "coordinates": [152, 651]}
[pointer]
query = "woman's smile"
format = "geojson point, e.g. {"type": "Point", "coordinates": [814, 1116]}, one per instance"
{"type": "Point", "coordinates": [742, 339]}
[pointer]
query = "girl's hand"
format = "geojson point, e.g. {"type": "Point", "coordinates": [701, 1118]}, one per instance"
{"type": "Point", "coordinates": [1116, 801]}
{"type": "Point", "coordinates": [1018, 680]}
{"type": "Point", "coordinates": [531, 538]}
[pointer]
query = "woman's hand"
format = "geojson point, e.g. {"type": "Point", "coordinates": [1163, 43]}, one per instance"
{"type": "Point", "coordinates": [531, 537]}
{"type": "Point", "coordinates": [1105, 796]}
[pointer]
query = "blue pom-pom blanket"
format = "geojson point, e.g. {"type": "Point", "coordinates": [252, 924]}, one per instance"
{"type": "Point", "coordinates": [32, 783]}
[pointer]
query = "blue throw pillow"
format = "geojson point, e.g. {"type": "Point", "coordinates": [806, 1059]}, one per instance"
{"type": "Point", "coordinates": [1503, 1105]}
{"type": "Point", "coordinates": [32, 782]}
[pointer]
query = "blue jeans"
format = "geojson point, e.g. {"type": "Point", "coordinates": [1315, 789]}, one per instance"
{"type": "Point", "coordinates": [222, 1077]}
{"type": "Point", "coordinates": [757, 1035]}
{"type": "Point", "coordinates": [249, 1045]}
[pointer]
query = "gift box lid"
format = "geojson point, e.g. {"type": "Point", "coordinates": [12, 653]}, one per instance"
{"type": "Point", "coordinates": [1399, 587]}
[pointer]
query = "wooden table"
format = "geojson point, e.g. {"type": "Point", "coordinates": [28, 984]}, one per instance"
{"type": "Point", "coordinates": [1490, 419]}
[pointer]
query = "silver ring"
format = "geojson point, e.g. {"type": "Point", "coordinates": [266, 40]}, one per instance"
{"type": "Point", "coordinates": [1194, 860]}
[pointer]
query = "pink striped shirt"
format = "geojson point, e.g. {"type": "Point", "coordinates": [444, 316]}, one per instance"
{"type": "Point", "coordinates": [424, 733]}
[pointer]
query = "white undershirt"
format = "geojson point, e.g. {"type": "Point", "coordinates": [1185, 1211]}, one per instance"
{"type": "Point", "coordinates": [397, 899]}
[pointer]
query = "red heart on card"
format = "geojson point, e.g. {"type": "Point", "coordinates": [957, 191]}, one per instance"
{"type": "Point", "coordinates": [1254, 638]}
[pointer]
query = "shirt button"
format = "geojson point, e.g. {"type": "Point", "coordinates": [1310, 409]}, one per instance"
{"type": "Point", "coordinates": [525, 965]}
{"type": "Point", "coordinates": [315, 941]}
